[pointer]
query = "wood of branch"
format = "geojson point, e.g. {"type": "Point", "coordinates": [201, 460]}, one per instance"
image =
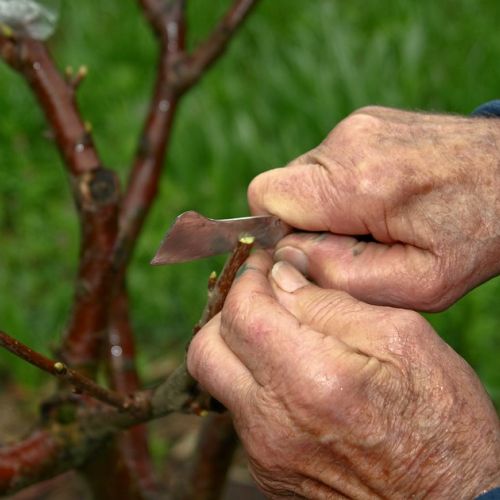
{"type": "Point", "coordinates": [96, 195]}
{"type": "Point", "coordinates": [218, 292]}
{"type": "Point", "coordinates": [62, 372]}
{"type": "Point", "coordinates": [124, 469]}
{"type": "Point", "coordinates": [196, 64]}
{"type": "Point", "coordinates": [56, 98]}
{"type": "Point", "coordinates": [95, 190]}
{"type": "Point", "coordinates": [177, 73]}
{"type": "Point", "coordinates": [168, 22]}
{"type": "Point", "coordinates": [128, 462]}
{"type": "Point", "coordinates": [24, 463]}
{"type": "Point", "coordinates": [63, 446]}
{"type": "Point", "coordinates": [207, 470]}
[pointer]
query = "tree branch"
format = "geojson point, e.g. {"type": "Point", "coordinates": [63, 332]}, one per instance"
{"type": "Point", "coordinates": [63, 447]}
{"type": "Point", "coordinates": [80, 382]}
{"type": "Point", "coordinates": [207, 469]}
{"type": "Point", "coordinates": [177, 73]}
{"type": "Point", "coordinates": [126, 466]}
{"type": "Point", "coordinates": [195, 65]}
{"type": "Point", "coordinates": [218, 290]}
{"type": "Point", "coordinates": [167, 21]}
{"type": "Point", "coordinates": [95, 191]}
{"type": "Point", "coordinates": [105, 247]}
{"type": "Point", "coordinates": [56, 98]}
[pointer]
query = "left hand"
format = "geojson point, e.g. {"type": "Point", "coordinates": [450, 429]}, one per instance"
{"type": "Point", "coordinates": [335, 398]}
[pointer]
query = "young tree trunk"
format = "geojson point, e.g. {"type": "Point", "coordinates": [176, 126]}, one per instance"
{"type": "Point", "coordinates": [101, 431]}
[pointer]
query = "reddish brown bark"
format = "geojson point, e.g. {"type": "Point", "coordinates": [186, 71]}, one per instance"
{"type": "Point", "coordinates": [29, 458]}
{"type": "Point", "coordinates": [80, 382]}
{"type": "Point", "coordinates": [74, 433]}
{"type": "Point", "coordinates": [99, 328]}
{"type": "Point", "coordinates": [95, 190]}
{"type": "Point", "coordinates": [127, 461]}
{"type": "Point", "coordinates": [205, 475]}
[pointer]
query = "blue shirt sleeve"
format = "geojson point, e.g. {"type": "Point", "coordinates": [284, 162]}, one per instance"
{"type": "Point", "coordinates": [489, 109]}
{"type": "Point", "coordinates": [490, 495]}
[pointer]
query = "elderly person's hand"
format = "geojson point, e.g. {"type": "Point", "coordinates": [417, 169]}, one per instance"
{"type": "Point", "coordinates": [335, 398]}
{"type": "Point", "coordinates": [426, 187]}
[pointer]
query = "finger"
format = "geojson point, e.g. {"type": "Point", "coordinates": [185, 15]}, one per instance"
{"type": "Point", "coordinates": [217, 369]}
{"type": "Point", "coordinates": [267, 339]}
{"type": "Point", "coordinates": [308, 197]}
{"type": "Point", "coordinates": [334, 313]}
{"type": "Point", "coordinates": [397, 275]}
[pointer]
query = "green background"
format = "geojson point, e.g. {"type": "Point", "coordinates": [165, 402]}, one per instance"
{"type": "Point", "coordinates": [296, 69]}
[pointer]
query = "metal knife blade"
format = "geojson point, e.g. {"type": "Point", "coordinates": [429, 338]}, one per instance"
{"type": "Point", "coordinates": [193, 236]}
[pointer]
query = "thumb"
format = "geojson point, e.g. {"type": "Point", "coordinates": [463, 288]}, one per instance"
{"type": "Point", "coordinates": [358, 327]}
{"type": "Point", "coordinates": [397, 275]}
{"type": "Point", "coordinates": [305, 197]}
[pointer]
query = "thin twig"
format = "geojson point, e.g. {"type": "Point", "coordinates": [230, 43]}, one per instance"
{"type": "Point", "coordinates": [218, 291]}
{"type": "Point", "coordinates": [207, 469]}
{"type": "Point", "coordinates": [63, 372]}
{"type": "Point", "coordinates": [196, 64]}
{"type": "Point", "coordinates": [77, 80]}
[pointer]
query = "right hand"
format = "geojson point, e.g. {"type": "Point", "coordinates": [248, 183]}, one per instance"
{"type": "Point", "coordinates": [426, 187]}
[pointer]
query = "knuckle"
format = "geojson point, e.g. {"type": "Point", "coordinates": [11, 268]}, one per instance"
{"type": "Point", "coordinates": [254, 192]}
{"type": "Point", "coordinates": [235, 310]}
{"type": "Point", "coordinates": [406, 335]}
{"type": "Point", "coordinates": [407, 320]}
{"type": "Point", "coordinates": [198, 356]}
{"type": "Point", "coordinates": [433, 294]}
{"type": "Point", "coordinates": [360, 124]}
{"type": "Point", "coordinates": [371, 110]}
{"type": "Point", "coordinates": [240, 317]}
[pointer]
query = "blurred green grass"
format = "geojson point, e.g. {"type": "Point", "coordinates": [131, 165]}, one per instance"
{"type": "Point", "coordinates": [295, 69]}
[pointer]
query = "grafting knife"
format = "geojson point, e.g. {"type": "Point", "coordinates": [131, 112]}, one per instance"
{"type": "Point", "coordinates": [193, 236]}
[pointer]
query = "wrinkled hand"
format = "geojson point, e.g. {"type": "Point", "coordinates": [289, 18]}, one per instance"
{"type": "Point", "coordinates": [333, 397]}
{"type": "Point", "coordinates": [426, 187]}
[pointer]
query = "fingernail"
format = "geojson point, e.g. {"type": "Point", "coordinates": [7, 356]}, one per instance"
{"type": "Point", "coordinates": [287, 277]}
{"type": "Point", "coordinates": [294, 255]}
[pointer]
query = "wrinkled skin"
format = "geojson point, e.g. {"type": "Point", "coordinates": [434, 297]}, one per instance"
{"type": "Point", "coordinates": [338, 398]}
{"type": "Point", "coordinates": [425, 187]}
{"type": "Point", "coordinates": [335, 398]}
